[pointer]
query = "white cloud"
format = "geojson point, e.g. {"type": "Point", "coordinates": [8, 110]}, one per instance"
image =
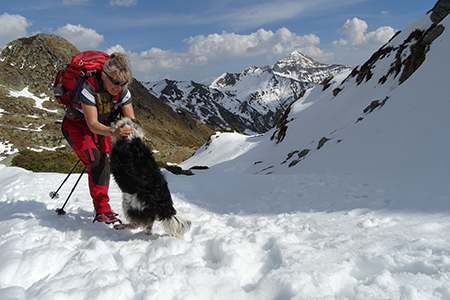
{"type": "Point", "coordinates": [228, 46]}
{"type": "Point", "coordinates": [356, 37]}
{"type": "Point", "coordinates": [262, 42]}
{"type": "Point", "coordinates": [159, 59]}
{"type": "Point", "coordinates": [127, 3]}
{"type": "Point", "coordinates": [12, 27]}
{"type": "Point", "coordinates": [258, 48]}
{"type": "Point", "coordinates": [116, 48]}
{"type": "Point", "coordinates": [81, 37]}
{"type": "Point", "coordinates": [381, 35]}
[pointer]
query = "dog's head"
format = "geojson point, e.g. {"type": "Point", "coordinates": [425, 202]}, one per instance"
{"type": "Point", "coordinates": [138, 131]}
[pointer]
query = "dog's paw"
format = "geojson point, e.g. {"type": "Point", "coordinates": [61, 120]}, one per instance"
{"type": "Point", "coordinates": [126, 226]}
{"type": "Point", "coordinates": [121, 226]}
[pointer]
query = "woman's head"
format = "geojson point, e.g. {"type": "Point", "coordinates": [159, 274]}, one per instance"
{"type": "Point", "coordinates": [116, 72]}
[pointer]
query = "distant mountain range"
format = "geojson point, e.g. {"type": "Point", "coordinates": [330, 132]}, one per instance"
{"type": "Point", "coordinates": [250, 101]}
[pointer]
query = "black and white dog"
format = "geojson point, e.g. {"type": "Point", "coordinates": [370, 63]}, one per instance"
{"type": "Point", "coordinates": [146, 196]}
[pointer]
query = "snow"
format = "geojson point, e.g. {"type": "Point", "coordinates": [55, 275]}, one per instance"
{"type": "Point", "coordinates": [39, 100]}
{"type": "Point", "coordinates": [300, 236]}
{"type": "Point", "coordinates": [364, 217]}
{"type": "Point", "coordinates": [7, 149]}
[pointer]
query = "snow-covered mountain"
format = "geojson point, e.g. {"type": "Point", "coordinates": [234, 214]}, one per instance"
{"type": "Point", "coordinates": [304, 68]}
{"type": "Point", "coordinates": [251, 100]}
{"type": "Point", "coordinates": [388, 116]}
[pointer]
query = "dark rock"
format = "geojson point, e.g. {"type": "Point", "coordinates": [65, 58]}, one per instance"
{"type": "Point", "coordinates": [322, 142]}
{"type": "Point", "coordinates": [440, 11]}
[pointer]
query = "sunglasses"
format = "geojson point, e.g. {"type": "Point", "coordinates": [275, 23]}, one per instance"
{"type": "Point", "coordinates": [115, 82]}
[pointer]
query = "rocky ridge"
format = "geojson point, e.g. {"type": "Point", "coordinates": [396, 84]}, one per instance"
{"type": "Point", "coordinates": [30, 118]}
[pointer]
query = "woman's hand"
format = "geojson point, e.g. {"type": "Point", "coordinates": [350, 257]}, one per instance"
{"type": "Point", "coordinates": [120, 131]}
{"type": "Point", "coordinates": [90, 114]}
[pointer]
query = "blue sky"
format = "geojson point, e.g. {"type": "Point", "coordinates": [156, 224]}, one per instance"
{"type": "Point", "coordinates": [200, 40]}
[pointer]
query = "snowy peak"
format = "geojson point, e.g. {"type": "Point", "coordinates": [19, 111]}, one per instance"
{"type": "Point", "coordinates": [304, 68]}
{"type": "Point", "coordinates": [299, 60]}
{"type": "Point", "coordinates": [251, 100]}
{"type": "Point", "coordinates": [226, 79]}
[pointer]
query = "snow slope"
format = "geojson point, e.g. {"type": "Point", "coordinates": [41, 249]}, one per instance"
{"type": "Point", "coordinates": [364, 217]}
{"type": "Point", "coordinates": [300, 236]}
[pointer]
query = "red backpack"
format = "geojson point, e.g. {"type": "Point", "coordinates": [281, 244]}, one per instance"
{"type": "Point", "coordinates": [83, 66]}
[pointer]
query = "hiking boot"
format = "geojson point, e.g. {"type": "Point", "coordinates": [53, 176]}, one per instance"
{"type": "Point", "coordinates": [113, 213]}
{"type": "Point", "coordinates": [108, 218]}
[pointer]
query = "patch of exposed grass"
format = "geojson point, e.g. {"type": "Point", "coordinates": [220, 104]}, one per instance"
{"type": "Point", "coordinates": [47, 161]}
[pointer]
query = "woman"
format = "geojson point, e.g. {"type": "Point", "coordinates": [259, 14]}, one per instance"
{"type": "Point", "coordinates": [87, 130]}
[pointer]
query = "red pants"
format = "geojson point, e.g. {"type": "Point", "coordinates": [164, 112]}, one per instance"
{"type": "Point", "coordinates": [93, 152]}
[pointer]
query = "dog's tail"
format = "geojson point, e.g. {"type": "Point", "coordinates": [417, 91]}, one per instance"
{"type": "Point", "coordinates": [176, 226]}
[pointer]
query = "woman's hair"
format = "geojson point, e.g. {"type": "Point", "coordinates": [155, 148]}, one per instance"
{"type": "Point", "coordinates": [121, 63]}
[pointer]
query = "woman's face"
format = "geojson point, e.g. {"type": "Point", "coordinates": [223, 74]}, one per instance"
{"type": "Point", "coordinates": [111, 83]}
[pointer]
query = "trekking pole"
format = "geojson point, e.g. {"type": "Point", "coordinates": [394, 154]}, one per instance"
{"type": "Point", "coordinates": [61, 210]}
{"type": "Point", "coordinates": [55, 195]}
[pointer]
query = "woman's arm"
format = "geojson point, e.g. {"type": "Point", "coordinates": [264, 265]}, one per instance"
{"type": "Point", "coordinates": [91, 117]}
{"type": "Point", "coordinates": [128, 111]}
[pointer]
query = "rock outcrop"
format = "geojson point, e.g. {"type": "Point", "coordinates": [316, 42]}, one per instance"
{"type": "Point", "coordinates": [31, 118]}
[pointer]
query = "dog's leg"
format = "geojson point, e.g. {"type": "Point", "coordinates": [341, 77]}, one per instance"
{"type": "Point", "coordinates": [126, 226]}
{"type": "Point", "coordinates": [176, 226]}
{"type": "Point", "coordinates": [148, 229]}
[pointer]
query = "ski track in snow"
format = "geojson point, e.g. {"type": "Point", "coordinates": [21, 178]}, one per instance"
{"type": "Point", "coordinates": [334, 238]}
